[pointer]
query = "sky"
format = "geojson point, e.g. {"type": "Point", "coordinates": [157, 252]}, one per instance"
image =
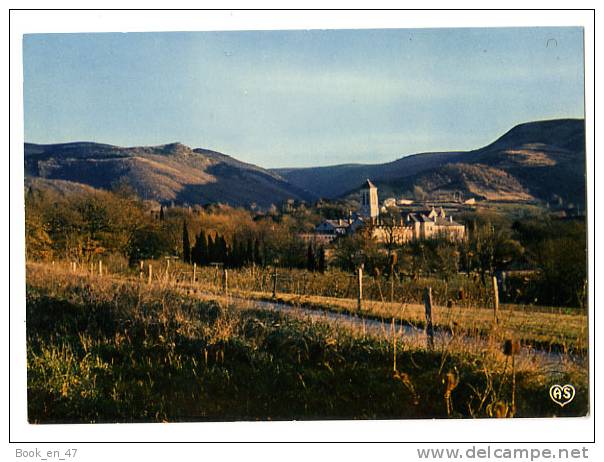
{"type": "Point", "coordinates": [301, 98]}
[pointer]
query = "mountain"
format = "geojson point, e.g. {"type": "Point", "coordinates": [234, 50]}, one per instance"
{"type": "Point", "coordinates": [533, 161]}
{"type": "Point", "coordinates": [166, 173]}
{"type": "Point", "coordinates": [542, 160]}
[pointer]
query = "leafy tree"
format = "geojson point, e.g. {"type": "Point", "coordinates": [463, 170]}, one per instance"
{"type": "Point", "coordinates": [359, 248]}
{"type": "Point", "coordinates": [490, 249]}
{"type": "Point", "coordinates": [447, 258]}
{"type": "Point", "coordinates": [390, 221]}
{"type": "Point", "coordinates": [147, 242]}
{"type": "Point", "coordinates": [38, 244]}
{"type": "Point", "coordinates": [558, 250]}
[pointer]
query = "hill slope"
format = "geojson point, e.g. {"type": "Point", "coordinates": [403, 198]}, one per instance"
{"type": "Point", "coordinates": [536, 160]}
{"type": "Point", "coordinates": [171, 172]}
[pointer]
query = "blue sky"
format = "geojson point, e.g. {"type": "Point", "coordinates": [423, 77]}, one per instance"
{"type": "Point", "coordinates": [301, 98]}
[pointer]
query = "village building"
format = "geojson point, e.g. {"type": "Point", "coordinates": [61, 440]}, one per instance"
{"type": "Point", "coordinates": [399, 229]}
{"type": "Point", "coordinates": [333, 227]}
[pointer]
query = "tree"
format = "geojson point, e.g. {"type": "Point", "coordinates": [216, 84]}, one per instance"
{"type": "Point", "coordinates": [222, 249]}
{"type": "Point", "coordinates": [391, 221]}
{"type": "Point", "coordinates": [311, 262]}
{"type": "Point", "coordinates": [447, 258]}
{"type": "Point", "coordinates": [491, 248]}
{"type": "Point", "coordinates": [199, 253]}
{"type": "Point", "coordinates": [161, 213]}
{"type": "Point", "coordinates": [211, 252]}
{"type": "Point", "coordinates": [38, 243]}
{"type": "Point", "coordinates": [359, 248]}
{"type": "Point", "coordinates": [321, 264]}
{"type": "Point", "coordinates": [257, 255]}
{"type": "Point", "coordinates": [558, 249]}
{"type": "Point", "coordinates": [186, 245]}
{"type": "Point", "coordinates": [145, 243]}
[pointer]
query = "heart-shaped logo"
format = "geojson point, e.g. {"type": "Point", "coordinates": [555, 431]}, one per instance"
{"type": "Point", "coordinates": [562, 394]}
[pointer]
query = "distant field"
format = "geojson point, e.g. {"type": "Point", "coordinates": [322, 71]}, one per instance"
{"type": "Point", "coordinates": [117, 349]}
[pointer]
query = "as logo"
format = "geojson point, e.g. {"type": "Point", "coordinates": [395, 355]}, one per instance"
{"type": "Point", "coordinates": [562, 394]}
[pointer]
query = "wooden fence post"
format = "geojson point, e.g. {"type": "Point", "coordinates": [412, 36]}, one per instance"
{"type": "Point", "coordinates": [394, 345]}
{"type": "Point", "coordinates": [360, 289]}
{"type": "Point", "coordinates": [167, 272]}
{"type": "Point", "coordinates": [150, 273]}
{"type": "Point", "coordinates": [429, 326]}
{"type": "Point", "coordinates": [275, 282]}
{"type": "Point", "coordinates": [511, 348]}
{"type": "Point", "coordinates": [194, 272]}
{"type": "Point", "coordinates": [225, 281]}
{"type": "Point", "coordinates": [495, 300]}
{"type": "Point", "coordinates": [140, 270]}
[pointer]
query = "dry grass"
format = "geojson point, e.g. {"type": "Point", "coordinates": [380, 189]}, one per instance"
{"type": "Point", "coordinates": [545, 328]}
{"type": "Point", "coordinates": [112, 348]}
{"type": "Point", "coordinates": [548, 331]}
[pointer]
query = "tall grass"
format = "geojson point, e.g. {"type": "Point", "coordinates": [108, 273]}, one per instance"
{"type": "Point", "coordinates": [546, 328]}
{"type": "Point", "coordinates": [114, 349]}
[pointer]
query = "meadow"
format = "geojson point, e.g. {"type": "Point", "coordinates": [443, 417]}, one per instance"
{"type": "Point", "coordinates": [562, 329]}
{"type": "Point", "coordinates": [118, 348]}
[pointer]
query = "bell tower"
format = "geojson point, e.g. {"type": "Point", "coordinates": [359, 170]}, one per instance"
{"type": "Point", "coordinates": [369, 201]}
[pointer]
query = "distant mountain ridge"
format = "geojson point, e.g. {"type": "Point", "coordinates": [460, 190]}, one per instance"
{"type": "Point", "coordinates": [542, 160]}
{"type": "Point", "coordinates": [536, 160]}
{"type": "Point", "coordinates": [166, 173]}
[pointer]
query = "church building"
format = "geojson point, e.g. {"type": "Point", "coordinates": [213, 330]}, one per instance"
{"type": "Point", "coordinates": [416, 225]}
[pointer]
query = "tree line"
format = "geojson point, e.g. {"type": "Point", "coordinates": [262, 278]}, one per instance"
{"type": "Point", "coordinates": [210, 248]}
{"type": "Point", "coordinates": [94, 224]}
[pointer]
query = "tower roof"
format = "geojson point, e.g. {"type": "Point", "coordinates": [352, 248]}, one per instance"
{"type": "Point", "coordinates": [368, 184]}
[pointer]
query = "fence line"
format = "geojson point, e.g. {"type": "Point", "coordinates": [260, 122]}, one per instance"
{"type": "Point", "coordinates": [460, 291]}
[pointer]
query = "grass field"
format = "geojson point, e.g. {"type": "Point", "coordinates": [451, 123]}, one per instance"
{"type": "Point", "coordinates": [545, 331]}
{"type": "Point", "coordinates": [548, 328]}
{"type": "Point", "coordinates": [116, 349]}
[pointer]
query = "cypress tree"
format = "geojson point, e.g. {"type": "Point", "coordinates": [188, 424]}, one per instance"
{"type": "Point", "coordinates": [321, 263]}
{"type": "Point", "coordinates": [161, 213]}
{"type": "Point", "coordinates": [257, 257]}
{"type": "Point", "coordinates": [199, 253]}
{"type": "Point", "coordinates": [211, 249]}
{"type": "Point", "coordinates": [311, 263]}
{"type": "Point", "coordinates": [236, 253]}
{"type": "Point", "coordinates": [249, 252]}
{"type": "Point", "coordinates": [203, 249]}
{"type": "Point", "coordinates": [232, 253]}
{"type": "Point", "coordinates": [238, 250]}
{"type": "Point", "coordinates": [186, 245]}
{"type": "Point", "coordinates": [222, 249]}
